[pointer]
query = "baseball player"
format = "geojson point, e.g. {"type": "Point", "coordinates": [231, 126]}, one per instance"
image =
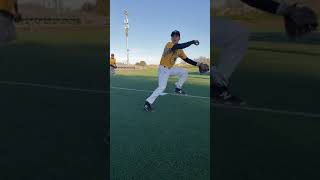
{"type": "Point", "coordinates": [8, 14]}
{"type": "Point", "coordinates": [171, 52]}
{"type": "Point", "coordinates": [113, 65]}
{"type": "Point", "coordinates": [232, 40]}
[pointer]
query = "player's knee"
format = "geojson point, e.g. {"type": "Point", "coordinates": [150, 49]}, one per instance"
{"type": "Point", "coordinates": [184, 73]}
{"type": "Point", "coordinates": [161, 88]}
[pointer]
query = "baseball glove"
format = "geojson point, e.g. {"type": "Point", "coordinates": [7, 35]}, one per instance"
{"type": "Point", "coordinates": [299, 21]}
{"type": "Point", "coordinates": [203, 68]}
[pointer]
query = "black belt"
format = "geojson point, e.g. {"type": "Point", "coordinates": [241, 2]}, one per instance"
{"type": "Point", "coordinates": [166, 67]}
{"type": "Point", "coordinates": [6, 14]}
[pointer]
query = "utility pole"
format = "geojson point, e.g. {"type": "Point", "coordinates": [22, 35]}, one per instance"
{"type": "Point", "coordinates": [126, 29]}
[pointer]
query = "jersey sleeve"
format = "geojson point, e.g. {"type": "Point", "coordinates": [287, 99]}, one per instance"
{"type": "Point", "coordinates": [182, 55]}
{"type": "Point", "coordinates": [169, 45]}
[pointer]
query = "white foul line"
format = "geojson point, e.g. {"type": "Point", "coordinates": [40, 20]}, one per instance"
{"type": "Point", "coordinates": [268, 110]}
{"type": "Point", "coordinates": [244, 108]}
{"type": "Point", "coordinates": [173, 94]}
{"type": "Point", "coordinates": [53, 87]}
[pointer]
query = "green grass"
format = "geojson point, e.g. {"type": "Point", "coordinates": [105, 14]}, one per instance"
{"type": "Point", "coordinates": [170, 143]}
{"type": "Point", "coordinates": [280, 75]}
{"type": "Point", "coordinates": [48, 133]}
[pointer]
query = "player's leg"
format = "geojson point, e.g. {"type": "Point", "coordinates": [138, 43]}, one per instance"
{"type": "Point", "coordinates": [12, 35]}
{"type": "Point", "coordinates": [163, 76]}
{"type": "Point", "coordinates": [112, 70]}
{"type": "Point", "coordinates": [182, 75]}
{"type": "Point", "coordinates": [3, 30]}
{"type": "Point", "coordinates": [231, 38]}
{"type": "Point", "coordinates": [7, 30]}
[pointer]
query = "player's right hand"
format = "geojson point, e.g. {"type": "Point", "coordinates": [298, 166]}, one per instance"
{"type": "Point", "coordinates": [196, 42]}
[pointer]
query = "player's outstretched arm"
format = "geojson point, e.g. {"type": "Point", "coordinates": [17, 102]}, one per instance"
{"type": "Point", "coordinates": [190, 61]}
{"type": "Point", "coordinates": [298, 21]}
{"type": "Point", "coordinates": [264, 5]}
{"type": "Point", "coordinates": [270, 6]}
{"type": "Point", "coordinates": [203, 68]}
{"type": "Point", "coordinates": [185, 45]}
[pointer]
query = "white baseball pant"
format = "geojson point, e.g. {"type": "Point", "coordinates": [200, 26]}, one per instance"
{"type": "Point", "coordinates": [163, 76]}
{"type": "Point", "coordinates": [231, 38]}
{"type": "Point", "coordinates": [7, 30]}
{"type": "Point", "coordinates": [112, 70]}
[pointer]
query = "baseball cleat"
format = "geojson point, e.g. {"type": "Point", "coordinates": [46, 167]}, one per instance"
{"type": "Point", "coordinates": [179, 91]}
{"type": "Point", "coordinates": [147, 107]}
{"type": "Point", "coordinates": [221, 95]}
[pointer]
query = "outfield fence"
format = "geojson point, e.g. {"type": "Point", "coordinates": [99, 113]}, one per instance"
{"type": "Point", "coordinates": [51, 20]}
{"type": "Point", "coordinates": [129, 67]}
{"type": "Point", "coordinates": [56, 23]}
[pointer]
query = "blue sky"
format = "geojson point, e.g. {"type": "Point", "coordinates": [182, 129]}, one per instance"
{"type": "Point", "coordinates": [152, 21]}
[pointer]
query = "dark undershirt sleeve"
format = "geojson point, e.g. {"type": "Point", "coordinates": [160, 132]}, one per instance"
{"type": "Point", "coordinates": [189, 61]}
{"type": "Point", "coordinates": [264, 5]}
{"type": "Point", "coordinates": [182, 46]}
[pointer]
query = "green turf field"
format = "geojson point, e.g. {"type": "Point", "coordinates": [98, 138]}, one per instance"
{"type": "Point", "coordinates": [48, 132]}
{"type": "Point", "coordinates": [278, 75]}
{"type": "Point", "coordinates": [170, 143]}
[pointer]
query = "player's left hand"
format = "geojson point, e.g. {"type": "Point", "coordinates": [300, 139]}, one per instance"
{"type": "Point", "coordinates": [196, 42]}
{"type": "Point", "coordinates": [299, 21]}
{"type": "Point", "coordinates": [203, 68]}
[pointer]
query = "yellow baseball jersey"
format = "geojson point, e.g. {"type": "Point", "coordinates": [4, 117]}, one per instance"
{"type": "Point", "coordinates": [112, 61]}
{"type": "Point", "coordinates": [169, 57]}
{"type": "Point", "coordinates": [7, 5]}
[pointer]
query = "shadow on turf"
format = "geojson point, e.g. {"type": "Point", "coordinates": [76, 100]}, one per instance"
{"type": "Point", "coordinates": [50, 134]}
{"type": "Point", "coordinates": [56, 64]}
{"type": "Point", "coordinates": [264, 146]}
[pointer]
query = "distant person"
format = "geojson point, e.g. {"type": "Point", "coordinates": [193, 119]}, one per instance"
{"type": "Point", "coordinates": [9, 14]}
{"type": "Point", "coordinates": [232, 40]}
{"type": "Point", "coordinates": [171, 52]}
{"type": "Point", "coordinates": [113, 65]}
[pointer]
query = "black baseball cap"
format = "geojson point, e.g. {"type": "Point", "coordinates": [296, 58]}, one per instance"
{"type": "Point", "coordinates": [175, 32]}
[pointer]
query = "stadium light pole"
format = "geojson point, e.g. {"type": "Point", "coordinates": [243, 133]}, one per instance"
{"type": "Point", "coordinates": [126, 29]}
